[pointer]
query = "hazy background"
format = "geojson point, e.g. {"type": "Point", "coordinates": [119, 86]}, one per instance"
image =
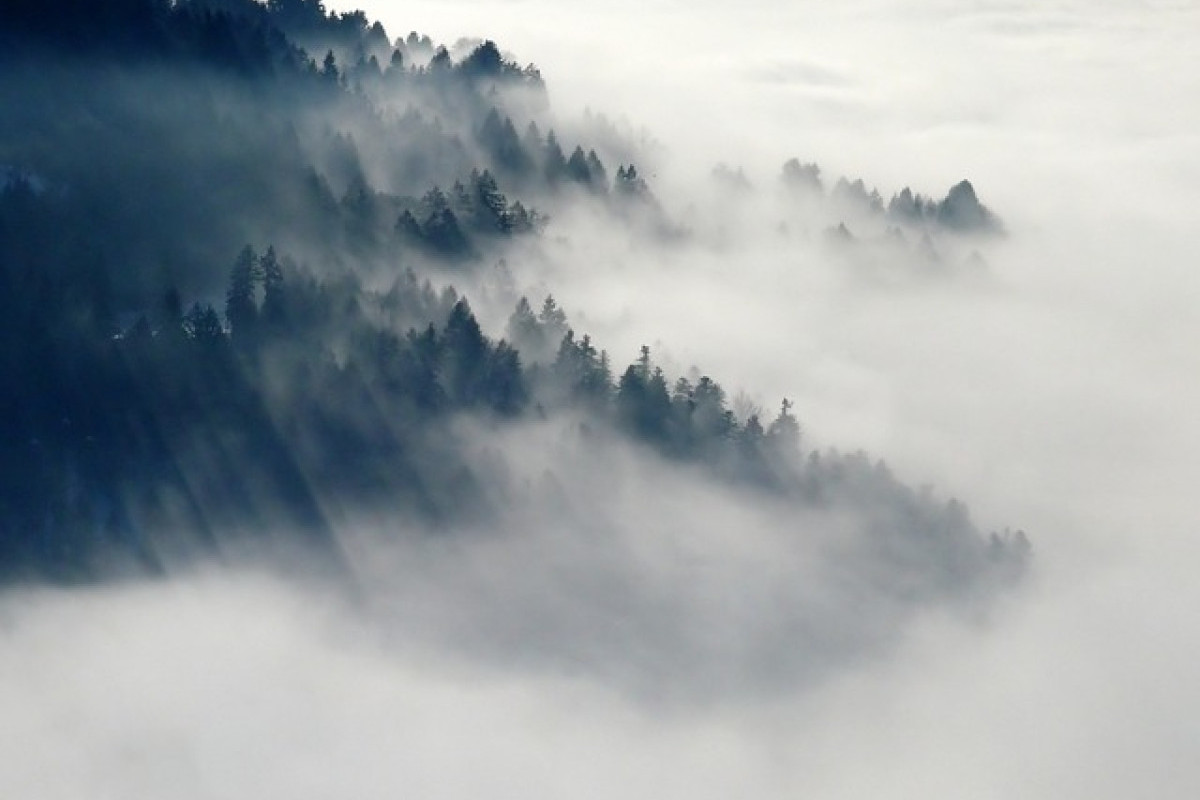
{"type": "Point", "coordinates": [1055, 394]}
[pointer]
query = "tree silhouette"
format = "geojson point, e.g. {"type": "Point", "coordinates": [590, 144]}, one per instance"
{"type": "Point", "coordinates": [273, 310]}
{"type": "Point", "coordinates": [241, 309]}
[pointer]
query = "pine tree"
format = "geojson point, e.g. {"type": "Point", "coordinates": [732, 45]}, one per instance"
{"type": "Point", "coordinates": [525, 332]}
{"type": "Point", "coordinates": [784, 432]}
{"type": "Point", "coordinates": [577, 167]}
{"type": "Point", "coordinates": [241, 311]}
{"type": "Point", "coordinates": [329, 69]}
{"type": "Point", "coordinates": [554, 163]}
{"type": "Point", "coordinates": [272, 281]}
{"type": "Point", "coordinates": [465, 350]}
{"type": "Point", "coordinates": [599, 176]}
{"type": "Point", "coordinates": [553, 319]}
{"type": "Point", "coordinates": [202, 325]}
{"type": "Point", "coordinates": [490, 206]}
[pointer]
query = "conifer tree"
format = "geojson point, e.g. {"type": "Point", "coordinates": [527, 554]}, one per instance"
{"type": "Point", "coordinates": [241, 310]}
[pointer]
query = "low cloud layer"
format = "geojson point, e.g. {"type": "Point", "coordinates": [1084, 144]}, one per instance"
{"type": "Point", "coordinates": [1051, 390]}
{"type": "Point", "coordinates": [1054, 393]}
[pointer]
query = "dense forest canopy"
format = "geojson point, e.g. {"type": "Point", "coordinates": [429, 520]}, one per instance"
{"type": "Point", "coordinates": [240, 245]}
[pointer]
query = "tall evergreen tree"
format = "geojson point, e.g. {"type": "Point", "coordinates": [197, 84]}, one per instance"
{"type": "Point", "coordinates": [577, 168]}
{"type": "Point", "coordinates": [241, 309]}
{"type": "Point", "coordinates": [784, 432]}
{"type": "Point", "coordinates": [272, 282]}
{"type": "Point", "coordinates": [554, 163]}
{"type": "Point", "coordinates": [596, 171]}
{"type": "Point", "coordinates": [553, 319]}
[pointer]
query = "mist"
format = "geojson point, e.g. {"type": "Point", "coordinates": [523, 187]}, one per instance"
{"type": "Point", "coordinates": [683, 642]}
{"type": "Point", "coordinates": [1053, 390]}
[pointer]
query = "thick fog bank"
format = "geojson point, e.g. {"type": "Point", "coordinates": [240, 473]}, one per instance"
{"type": "Point", "coordinates": [1053, 393]}
{"type": "Point", "coordinates": [238, 684]}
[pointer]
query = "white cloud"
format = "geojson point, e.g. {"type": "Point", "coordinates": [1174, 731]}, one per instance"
{"type": "Point", "coordinates": [1057, 396]}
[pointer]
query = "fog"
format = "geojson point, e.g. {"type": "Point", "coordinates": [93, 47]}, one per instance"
{"type": "Point", "coordinates": [1050, 389]}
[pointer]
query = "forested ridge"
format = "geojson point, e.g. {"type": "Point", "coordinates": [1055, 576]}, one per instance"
{"type": "Point", "coordinates": [230, 239]}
